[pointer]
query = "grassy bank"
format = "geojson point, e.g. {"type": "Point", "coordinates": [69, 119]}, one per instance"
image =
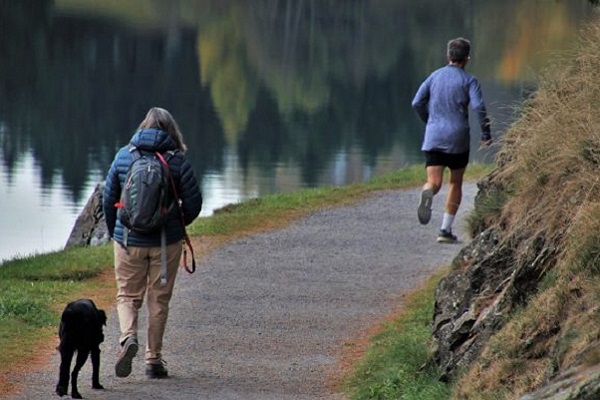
{"type": "Point", "coordinates": [397, 363]}
{"type": "Point", "coordinates": [34, 290]}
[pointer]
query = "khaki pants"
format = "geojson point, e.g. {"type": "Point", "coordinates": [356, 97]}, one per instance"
{"type": "Point", "coordinates": [137, 271]}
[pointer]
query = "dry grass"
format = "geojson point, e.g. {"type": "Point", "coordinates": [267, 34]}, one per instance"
{"type": "Point", "coordinates": [554, 147]}
{"type": "Point", "coordinates": [550, 164]}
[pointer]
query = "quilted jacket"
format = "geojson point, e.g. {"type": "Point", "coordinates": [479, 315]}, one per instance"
{"type": "Point", "coordinates": [186, 183]}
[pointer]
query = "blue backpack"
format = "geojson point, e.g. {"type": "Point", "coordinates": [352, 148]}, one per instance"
{"type": "Point", "coordinates": [146, 199]}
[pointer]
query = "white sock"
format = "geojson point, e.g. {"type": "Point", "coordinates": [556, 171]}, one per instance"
{"type": "Point", "coordinates": [447, 222]}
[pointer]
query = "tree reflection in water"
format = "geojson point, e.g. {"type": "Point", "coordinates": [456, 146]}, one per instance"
{"type": "Point", "coordinates": [289, 90]}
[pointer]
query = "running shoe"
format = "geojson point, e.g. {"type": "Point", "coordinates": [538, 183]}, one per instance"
{"type": "Point", "coordinates": [424, 211]}
{"type": "Point", "coordinates": [446, 237]}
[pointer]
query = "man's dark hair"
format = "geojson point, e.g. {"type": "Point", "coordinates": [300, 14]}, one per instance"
{"type": "Point", "coordinates": [459, 49]}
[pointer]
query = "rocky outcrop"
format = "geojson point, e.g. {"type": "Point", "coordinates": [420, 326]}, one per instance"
{"type": "Point", "coordinates": [500, 271]}
{"type": "Point", "coordinates": [473, 301]}
{"type": "Point", "coordinates": [582, 384]}
{"type": "Point", "coordinates": [89, 228]}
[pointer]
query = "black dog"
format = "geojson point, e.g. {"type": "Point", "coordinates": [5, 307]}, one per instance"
{"type": "Point", "coordinates": [80, 331]}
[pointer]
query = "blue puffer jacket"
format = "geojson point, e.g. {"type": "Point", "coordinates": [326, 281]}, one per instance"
{"type": "Point", "coordinates": [185, 182]}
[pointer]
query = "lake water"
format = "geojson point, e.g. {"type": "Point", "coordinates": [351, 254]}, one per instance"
{"type": "Point", "coordinates": [271, 95]}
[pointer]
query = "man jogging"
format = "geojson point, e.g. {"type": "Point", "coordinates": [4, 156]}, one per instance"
{"type": "Point", "coordinates": [442, 102]}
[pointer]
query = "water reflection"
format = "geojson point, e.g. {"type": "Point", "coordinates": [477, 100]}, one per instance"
{"type": "Point", "coordinates": [272, 95]}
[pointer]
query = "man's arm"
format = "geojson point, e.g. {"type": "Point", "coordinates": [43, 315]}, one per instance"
{"type": "Point", "coordinates": [478, 106]}
{"type": "Point", "coordinates": [421, 100]}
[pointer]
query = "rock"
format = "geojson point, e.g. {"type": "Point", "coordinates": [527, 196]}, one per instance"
{"type": "Point", "coordinates": [90, 228]}
{"type": "Point", "coordinates": [463, 302]}
{"type": "Point", "coordinates": [489, 279]}
{"type": "Point", "coordinates": [582, 384]}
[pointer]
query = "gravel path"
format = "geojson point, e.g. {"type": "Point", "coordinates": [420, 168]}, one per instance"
{"type": "Point", "coordinates": [267, 316]}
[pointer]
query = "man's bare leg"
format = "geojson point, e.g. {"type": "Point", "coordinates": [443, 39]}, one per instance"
{"type": "Point", "coordinates": [453, 201]}
{"type": "Point", "coordinates": [435, 176]}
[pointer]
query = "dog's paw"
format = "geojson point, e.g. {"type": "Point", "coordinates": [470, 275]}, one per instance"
{"type": "Point", "coordinates": [97, 386]}
{"type": "Point", "coordinates": [61, 390]}
{"type": "Point", "coordinates": [75, 394]}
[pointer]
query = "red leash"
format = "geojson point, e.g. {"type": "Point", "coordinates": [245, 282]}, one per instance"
{"type": "Point", "coordinates": [185, 265]}
{"type": "Point", "coordinates": [187, 240]}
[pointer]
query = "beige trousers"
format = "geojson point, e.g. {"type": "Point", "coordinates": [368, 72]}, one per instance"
{"type": "Point", "coordinates": [137, 271]}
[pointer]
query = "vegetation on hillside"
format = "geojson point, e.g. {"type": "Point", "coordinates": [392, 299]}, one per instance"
{"type": "Point", "coordinates": [547, 180]}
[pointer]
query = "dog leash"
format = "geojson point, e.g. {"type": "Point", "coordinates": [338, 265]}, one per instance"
{"type": "Point", "coordinates": [186, 240]}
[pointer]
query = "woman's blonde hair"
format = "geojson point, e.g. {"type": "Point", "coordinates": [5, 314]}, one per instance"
{"type": "Point", "coordinates": [159, 118]}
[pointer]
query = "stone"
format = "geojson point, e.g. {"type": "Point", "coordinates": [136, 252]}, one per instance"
{"type": "Point", "coordinates": [490, 278]}
{"type": "Point", "coordinates": [576, 384]}
{"type": "Point", "coordinates": [90, 227]}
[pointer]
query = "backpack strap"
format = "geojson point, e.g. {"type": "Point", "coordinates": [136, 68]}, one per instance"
{"type": "Point", "coordinates": [163, 256]}
{"type": "Point", "coordinates": [135, 152]}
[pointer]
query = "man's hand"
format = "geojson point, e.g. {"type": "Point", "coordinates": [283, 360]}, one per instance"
{"type": "Point", "coordinates": [485, 143]}
{"type": "Point", "coordinates": [486, 139]}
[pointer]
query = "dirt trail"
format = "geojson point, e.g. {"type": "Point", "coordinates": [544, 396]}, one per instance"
{"type": "Point", "coordinates": [266, 317]}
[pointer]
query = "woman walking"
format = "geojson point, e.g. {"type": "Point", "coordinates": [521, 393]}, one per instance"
{"type": "Point", "coordinates": [146, 263]}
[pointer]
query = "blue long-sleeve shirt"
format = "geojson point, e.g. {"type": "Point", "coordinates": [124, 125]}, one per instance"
{"type": "Point", "coordinates": [442, 102]}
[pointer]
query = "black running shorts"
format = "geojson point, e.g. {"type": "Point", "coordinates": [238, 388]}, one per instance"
{"type": "Point", "coordinates": [452, 161]}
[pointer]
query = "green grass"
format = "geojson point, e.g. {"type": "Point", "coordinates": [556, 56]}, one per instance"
{"type": "Point", "coordinates": [397, 364]}
{"type": "Point", "coordinates": [34, 290]}
{"type": "Point", "coordinates": [78, 264]}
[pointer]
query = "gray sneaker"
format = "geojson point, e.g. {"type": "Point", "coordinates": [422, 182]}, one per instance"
{"type": "Point", "coordinates": [157, 371]}
{"type": "Point", "coordinates": [128, 353]}
{"type": "Point", "coordinates": [446, 237]}
{"type": "Point", "coordinates": [424, 211]}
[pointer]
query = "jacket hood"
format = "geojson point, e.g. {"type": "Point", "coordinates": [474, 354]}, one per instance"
{"type": "Point", "coordinates": [153, 140]}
